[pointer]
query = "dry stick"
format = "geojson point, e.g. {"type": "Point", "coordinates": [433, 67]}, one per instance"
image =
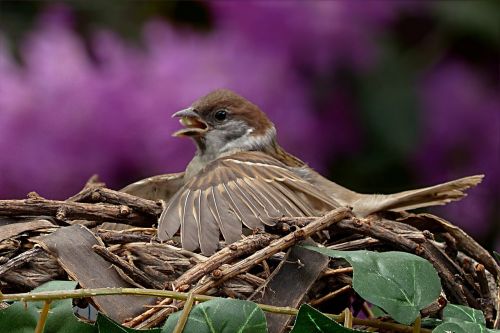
{"type": "Point", "coordinates": [85, 223]}
{"type": "Point", "coordinates": [179, 327]}
{"type": "Point", "coordinates": [113, 237]}
{"type": "Point", "coordinates": [85, 293]}
{"type": "Point", "coordinates": [357, 244]}
{"type": "Point", "coordinates": [40, 325]}
{"type": "Point", "coordinates": [486, 301]}
{"type": "Point", "coordinates": [496, 324]}
{"type": "Point", "coordinates": [483, 281]}
{"type": "Point", "coordinates": [331, 295]}
{"type": "Point", "coordinates": [252, 279]}
{"type": "Point", "coordinates": [66, 210]}
{"type": "Point", "coordinates": [434, 307]}
{"type": "Point", "coordinates": [347, 318]}
{"type": "Point", "coordinates": [368, 227]}
{"type": "Point", "coordinates": [133, 272]}
{"type": "Point", "coordinates": [227, 254]}
{"type": "Point", "coordinates": [331, 271]}
{"type": "Point", "coordinates": [20, 260]}
{"type": "Point", "coordinates": [367, 310]}
{"type": "Point", "coordinates": [102, 194]}
{"type": "Point", "coordinates": [416, 325]}
{"type": "Point", "coordinates": [276, 246]}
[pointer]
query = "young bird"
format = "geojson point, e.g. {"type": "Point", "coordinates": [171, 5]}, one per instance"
{"type": "Point", "coordinates": [241, 176]}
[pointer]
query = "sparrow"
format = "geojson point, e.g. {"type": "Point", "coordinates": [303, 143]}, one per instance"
{"type": "Point", "coordinates": [240, 176]}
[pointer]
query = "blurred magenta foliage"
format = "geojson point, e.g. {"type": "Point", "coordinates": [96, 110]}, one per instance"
{"type": "Point", "coordinates": [379, 95]}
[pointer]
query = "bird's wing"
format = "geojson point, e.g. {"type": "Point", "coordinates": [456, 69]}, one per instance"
{"type": "Point", "coordinates": [249, 188]}
{"type": "Point", "coordinates": [161, 187]}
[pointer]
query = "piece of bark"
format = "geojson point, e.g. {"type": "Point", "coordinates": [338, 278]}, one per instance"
{"type": "Point", "coordinates": [16, 228]}
{"type": "Point", "coordinates": [72, 246]}
{"type": "Point", "coordinates": [289, 286]}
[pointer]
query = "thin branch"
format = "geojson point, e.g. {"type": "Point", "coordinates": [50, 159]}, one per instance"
{"type": "Point", "coordinates": [416, 325]}
{"type": "Point", "coordinates": [40, 325]}
{"type": "Point", "coordinates": [105, 195]}
{"type": "Point", "coordinates": [67, 210]}
{"type": "Point", "coordinates": [348, 318]}
{"type": "Point", "coordinates": [83, 293]}
{"type": "Point", "coordinates": [331, 295]}
{"type": "Point", "coordinates": [179, 327]}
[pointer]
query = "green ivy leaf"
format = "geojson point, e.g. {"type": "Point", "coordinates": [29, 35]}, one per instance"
{"type": "Point", "coordinates": [310, 320]}
{"type": "Point", "coordinates": [450, 328]}
{"type": "Point", "coordinates": [23, 317]}
{"type": "Point", "coordinates": [462, 327]}
{"type": "Point", "coordinates": [460, 313]}
{"type": "Point", "coordinates": [107, 325]}
{"type": "Point", "coordinates": [221, 316]}
{"type": "Point", "coordinates": [400, 283]}
{"type": "Point", "coordinates": [462, 319]}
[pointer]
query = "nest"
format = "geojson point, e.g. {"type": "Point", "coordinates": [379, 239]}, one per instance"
{"type": "Point", "coordinates": [104, 238]}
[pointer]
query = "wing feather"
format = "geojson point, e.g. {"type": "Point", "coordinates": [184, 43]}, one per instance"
{"type": "Point", "coordinates": [251, 216]}
{"type": "Point", "coordinates": [189, 223]}
{"type": "Point", "coordinates": [230, 221]}
{"type": "Point", "coordinates": [208, 230]}
{"type": "Point", "coordinates": [170, 219]}
{"type": "Point", "coordinates": [281, 202]}
{"type": "Point", "coordinates": [295, 199]}
{"type": "Point", "coordinates": [260, 198]}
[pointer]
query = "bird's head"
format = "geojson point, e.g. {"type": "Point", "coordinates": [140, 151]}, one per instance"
{"type": "Point", "coordinates": [223, 121]}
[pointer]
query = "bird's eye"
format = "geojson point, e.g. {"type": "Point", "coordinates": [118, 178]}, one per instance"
{"type": "Point", "coordinates": [220, 115]}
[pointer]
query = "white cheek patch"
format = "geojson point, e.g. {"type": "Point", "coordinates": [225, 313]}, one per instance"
{"type": "Point", "coordinates": [250, 142]}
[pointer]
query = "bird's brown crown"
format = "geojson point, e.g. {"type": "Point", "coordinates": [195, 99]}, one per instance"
{"type": "Point", "coordinates": [237, 105]}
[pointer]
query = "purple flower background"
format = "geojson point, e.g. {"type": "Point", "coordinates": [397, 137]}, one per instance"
{"type": "Point", "coordinates": [66, 114]}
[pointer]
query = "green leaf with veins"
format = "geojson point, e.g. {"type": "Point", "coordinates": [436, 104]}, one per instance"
{"type": "Point", "coordinates": [455, 313]}
{"type": "Point", "coordinates": [462, 319]}
{"type": "Point", "coordinates": [221, 316]}
{"type": "Point", "coordinates": [400, 283]}
{"type": "Point", "coordinates": [310, 320]}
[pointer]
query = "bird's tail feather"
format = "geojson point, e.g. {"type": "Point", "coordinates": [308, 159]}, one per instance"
{"type": "Point", "coordinates": [430, 196]}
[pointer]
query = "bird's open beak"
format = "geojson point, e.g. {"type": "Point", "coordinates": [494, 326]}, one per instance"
{"type": "Point", "coordinates": [194, 125]}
